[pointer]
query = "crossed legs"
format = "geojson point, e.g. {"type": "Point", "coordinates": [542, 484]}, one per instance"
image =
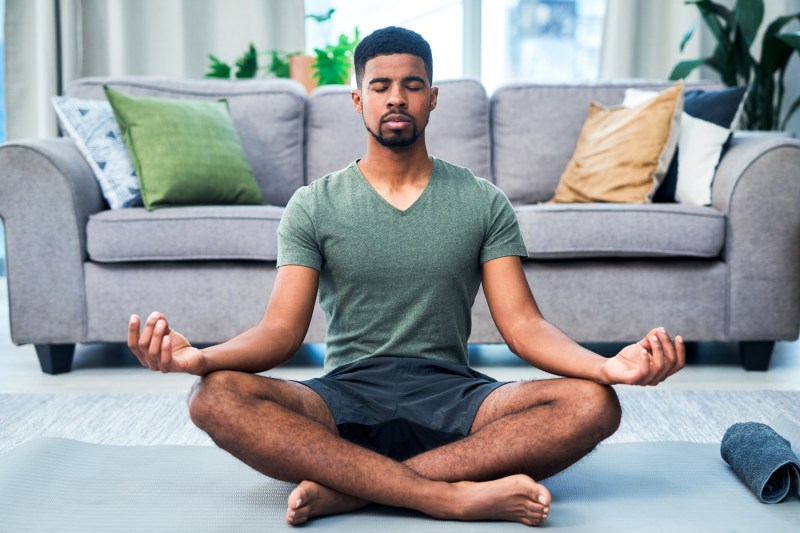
{"type": "Point", "coordinates": [522, 431]}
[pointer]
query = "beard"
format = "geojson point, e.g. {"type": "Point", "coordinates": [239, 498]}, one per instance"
{"type": "Point", "coordinates": [396, 139]}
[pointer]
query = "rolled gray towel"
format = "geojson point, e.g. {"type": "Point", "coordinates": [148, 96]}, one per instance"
{"type": "Point", "coordinates": [762, 459]}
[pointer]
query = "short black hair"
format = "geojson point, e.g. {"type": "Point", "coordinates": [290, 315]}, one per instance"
{"type": "Point", "coordinates": [392, 40]}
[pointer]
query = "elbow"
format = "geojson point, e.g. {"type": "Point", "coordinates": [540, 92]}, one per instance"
{"type": "Point", "coordinates": [520, 335]}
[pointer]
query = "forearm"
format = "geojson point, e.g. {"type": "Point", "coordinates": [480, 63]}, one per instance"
{"type": "Point", "coordinates": [546, 347]}
{"type": "Point", "coordinates": [258, 349]}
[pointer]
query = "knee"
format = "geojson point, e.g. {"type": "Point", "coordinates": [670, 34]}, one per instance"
{"type": "Point", "coordinates": [601, 408]}
{"type": "Point", "coordinates": [206, 397]}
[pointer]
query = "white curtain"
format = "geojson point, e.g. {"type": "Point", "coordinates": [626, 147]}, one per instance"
{"type": "Point", "coordinates": [50, 43]}
{"type": "Point", "coordinates": [641, 38]}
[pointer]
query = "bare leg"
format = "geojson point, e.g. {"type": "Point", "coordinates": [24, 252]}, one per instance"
{"type": "Point", "coordinates": [538, 428]}
{"type": "Point", "coordinates": [232, 408]}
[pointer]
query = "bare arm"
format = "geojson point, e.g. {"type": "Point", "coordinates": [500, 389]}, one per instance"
{"type": "Point", "coordinates": [274, 340]}
{"type": "Point", "coordinates": [532, 338]}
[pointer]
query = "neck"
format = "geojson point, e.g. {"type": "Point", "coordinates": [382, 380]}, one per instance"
{"type": "Point", "coordinates": [396, 166]}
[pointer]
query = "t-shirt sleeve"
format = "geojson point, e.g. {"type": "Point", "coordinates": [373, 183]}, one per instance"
{"type": "Point", "coordinates": [297, 239]}
{"type": "Point", "coordinates": [503, 236]}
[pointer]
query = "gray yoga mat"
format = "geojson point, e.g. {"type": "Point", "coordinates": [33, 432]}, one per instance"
{"type": "Point", "coordinates": [68, 486]}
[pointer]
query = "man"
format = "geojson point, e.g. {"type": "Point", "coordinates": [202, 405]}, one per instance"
{"type": "Point", "coordinates": [397, 245]}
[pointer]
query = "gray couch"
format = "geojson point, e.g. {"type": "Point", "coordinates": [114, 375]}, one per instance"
{"type": "Point", "coordinates": [602, 273]}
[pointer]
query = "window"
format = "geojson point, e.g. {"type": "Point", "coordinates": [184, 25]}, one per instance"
{"type": "Point", "coordinates": [498, 41]}
{"type": "Point", "coordinates": [439, 21]}
{"type": "Point", "coordinates": [541, 40]}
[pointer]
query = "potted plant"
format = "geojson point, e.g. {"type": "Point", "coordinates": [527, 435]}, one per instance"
{"type": "Point", "coordinates": [734, 31]}
{"type": "Point", "coordinates": [331, 65]}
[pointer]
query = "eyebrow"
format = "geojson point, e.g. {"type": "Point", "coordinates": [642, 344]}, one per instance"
{"type": "Point", "coordinates": [389, 80]}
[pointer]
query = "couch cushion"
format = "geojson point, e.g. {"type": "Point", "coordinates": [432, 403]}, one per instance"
{"type": "Point", "coordinates": [91, 124]}
{"type": "Point", "coordinates": [184, 234]}
{"type": "Point", "coordinates": [708, 117]}
{"type": "Point", "coordinates": [560, 231]}
{"type": "Point", "coordinates": [269, 116]}
{"type": "Point", "coordinates": [186, 152]}
{"type": "Point", "coordinates": [535, 128]}
{"type": "Point", "coordinates": [458, 130]}
{"type": "Point", "coordinates": [623, 152]}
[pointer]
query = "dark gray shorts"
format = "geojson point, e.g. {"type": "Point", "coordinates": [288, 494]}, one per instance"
{"type": "Point", "coordinates": [403, 406]}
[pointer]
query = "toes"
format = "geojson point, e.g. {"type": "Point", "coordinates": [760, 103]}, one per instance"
{"type": "Point", "coordinates": [297, 511]}
{"type": "Point", "coordinates": [295, 517]}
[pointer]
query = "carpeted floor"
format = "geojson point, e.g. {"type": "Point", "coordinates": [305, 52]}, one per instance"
{"type": "Point", "coordinates": [649, 415]}
{"type": "Point", "coordinates": [636, 481]}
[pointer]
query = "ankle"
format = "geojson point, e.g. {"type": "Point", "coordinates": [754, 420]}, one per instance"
{"type": "Point", "coordinates": [446, 502]}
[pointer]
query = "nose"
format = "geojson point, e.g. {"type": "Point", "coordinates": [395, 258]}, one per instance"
{"type": "Point", "coordinates": [397, 98]}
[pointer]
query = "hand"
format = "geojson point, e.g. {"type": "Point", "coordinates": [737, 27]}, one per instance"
{"type": "Point", "coordinates": [648, 362]}
{"type": "Point", "coordinates": [161, 348]}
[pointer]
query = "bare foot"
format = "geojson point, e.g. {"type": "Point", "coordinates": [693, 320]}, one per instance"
{"type": "Point", "coordinates": [514, 498]}
{"type": "Point", "coordinates": [311, 499]}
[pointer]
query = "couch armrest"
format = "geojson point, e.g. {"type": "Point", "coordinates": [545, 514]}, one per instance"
{"type": "Point", "coordinates": [757, 185]}
{"type": "Point", "coordinates": [47, 192]}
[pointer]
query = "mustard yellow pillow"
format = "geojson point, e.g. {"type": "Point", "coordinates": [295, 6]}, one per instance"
{"type": "Point", "coordinates": [622, 153]}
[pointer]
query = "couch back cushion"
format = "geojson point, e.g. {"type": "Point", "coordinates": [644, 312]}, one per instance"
{"type": "Point", "coordinates": [458, 130]}
{"type": "Point", "coordinates": [535, 128]}
{"type": "Point", "coordinates": [269, 117]}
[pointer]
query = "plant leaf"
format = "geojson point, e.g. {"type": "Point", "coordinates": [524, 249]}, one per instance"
{"type": "Point", "coordinates": [684, 68]}
{"type": "Point", "coordinates": [334, 62]}
{"type": "Point", "coordinates": [748, 15]}
{"type": "Point", "coordinates": [712, 13]}
{"type": "Point", "coordinates": [740, 59]}
{"type": "Point", "coordinates": [774, 51]}
{"type": "Point", "coordinates": [217, 68]}
{"type": "Point", "coordinates": [279, 66]}
{"type": "Point", "coordinates": [792, 39]}
{"type": "Point", "coordinates": [321, 18]}
{"type": "Point", "coordinates": [720, 61]}
{"type": "Point", "coordinates": [688, 35]}
{"type": "Point", "coordinates": [247, 64]}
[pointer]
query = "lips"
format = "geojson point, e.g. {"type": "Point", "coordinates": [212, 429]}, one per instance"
{"type": "Point", "coordinates": [397, 118]}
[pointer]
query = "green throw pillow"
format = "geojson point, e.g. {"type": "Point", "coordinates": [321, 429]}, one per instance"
{"type": "Point", "coordinates": [185, 152]}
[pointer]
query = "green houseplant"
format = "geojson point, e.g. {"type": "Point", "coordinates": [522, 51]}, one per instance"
{"type": "Point", "coordinates": [734, 31]}
{"type": "Point", "coordinates": [332, 64]}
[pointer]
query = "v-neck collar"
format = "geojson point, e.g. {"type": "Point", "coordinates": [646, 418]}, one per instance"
{"type": "Point", "coordinates": [425, 192]}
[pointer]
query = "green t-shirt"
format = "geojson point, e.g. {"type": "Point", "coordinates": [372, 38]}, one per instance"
{"type": "Point", "coordinates": [392, 282]}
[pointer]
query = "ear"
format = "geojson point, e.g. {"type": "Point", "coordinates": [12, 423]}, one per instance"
{"type": "Point", "coordinates": [434, 97]}
{"type": "Point", "coordinates": [355, 95]}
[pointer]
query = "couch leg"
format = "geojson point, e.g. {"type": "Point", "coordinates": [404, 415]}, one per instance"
{"type": "Point", "coordinates": [756, 355]}
{"type": "Point", "coordinates": [55, 358]}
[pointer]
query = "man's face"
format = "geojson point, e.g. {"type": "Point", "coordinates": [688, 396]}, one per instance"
{"type": "Point", "coordinates": [395, 99]}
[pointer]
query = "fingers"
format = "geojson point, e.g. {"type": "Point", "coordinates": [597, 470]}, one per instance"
{"type": "Point", "coordinates": [165, 352]}
{"type": "Point", "coordinates": [680, 346]}
{"type": "Point", "coordinates": [658, 361]}
{"type": "Point", "coordinates": [667, 356]}
{"type": "Point", "coordinates": [133, 337]}
{"type": "Point", "coordinates": [148, 346]}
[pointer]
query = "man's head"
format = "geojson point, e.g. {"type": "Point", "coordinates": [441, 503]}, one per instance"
{"type": "Point", "coordinates": [394, 93]}
{"type": "Point", "coordinates": [391, 40]}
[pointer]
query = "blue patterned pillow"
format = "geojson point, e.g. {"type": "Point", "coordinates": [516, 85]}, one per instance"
{"type": "Point", "coordinates": [91, 124]}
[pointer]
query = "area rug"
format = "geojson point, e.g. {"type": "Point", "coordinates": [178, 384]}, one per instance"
{"type": "Point", "coordinates": [649, 415]}
{"type": "Point", "coordinates": [67, 486]}
{"type": "Point", "coordinates": [90, 463]}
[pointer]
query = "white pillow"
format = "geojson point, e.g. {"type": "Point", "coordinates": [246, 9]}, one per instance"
{"type": "Point", "coordinates": [91, 124]}
{"type": "Point", "coordinates": [699, 149]}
